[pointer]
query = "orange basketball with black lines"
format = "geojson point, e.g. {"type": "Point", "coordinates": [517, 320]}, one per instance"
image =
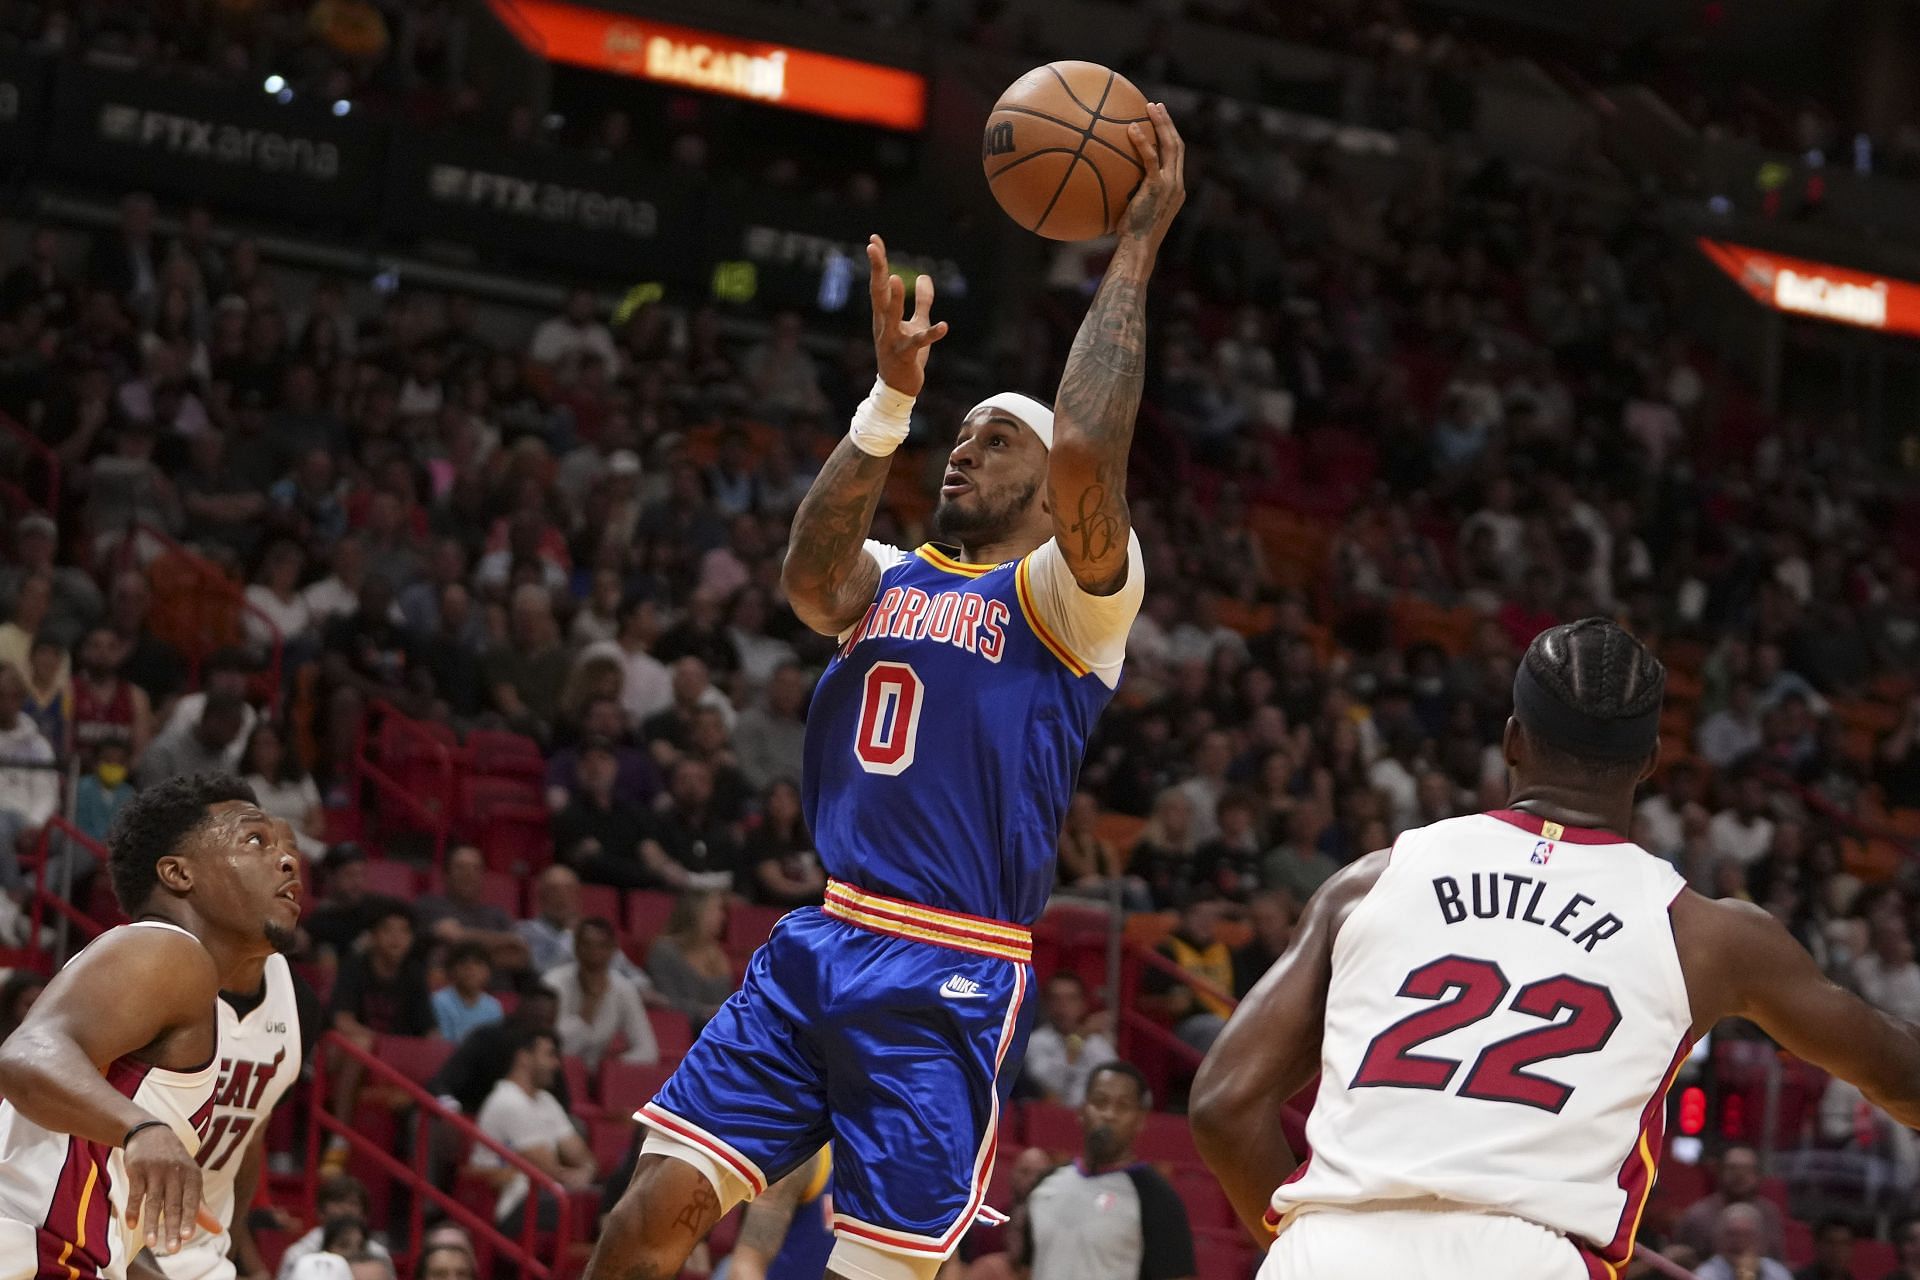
{"type": "Point", "coordinates": [1056, 151]}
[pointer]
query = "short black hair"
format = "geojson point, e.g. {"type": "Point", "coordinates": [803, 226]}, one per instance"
{"type": "Point", "coordinates": [1118, 1068]}
{"type": "Point", "coordinates": [528, 1036]}
{"type": "Point", "coordinates": [1597, 670]}
{"type": "Point", "coordinates": [154, 824]}
{"type": "Point", "coordinates": [466, 950]}
{"type": "Point", "coordinates": [342, 1186]}
{"type": "Point", "coordinates": [381, 910]}
{"type": "Point", "coordinates": [332, 1232]}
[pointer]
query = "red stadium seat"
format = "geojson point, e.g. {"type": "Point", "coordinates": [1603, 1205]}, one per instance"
{"type": "Point", "coordinates": [580, 1088]}
{"type": "Point", "coordinates": [1207, 1205]}
{"type": "Point", "coordinates": [392, 878]}
{"type": "Point", "coordinates": [1223, 1255]}
{"type": "Point", "coordinates": [673, 1031]}
{"type": "Point", "coordinates": [1167, 1139]}
{"type": "Point", "coordinates": [610, 1137]}
{"type": "Point", "coordinates": [417, 1058]}
{"type": "Point", "coordinates": [749, 925]}
{"type": "Point", "coordinates": [1874, 1259]}
{"type": "Point", "coordinates": [506, 755]}
{"type": "Point", "coordinates": [1053, 1127]}
{"type": "Point", "coordinates": [647, 912]}
{"type": "Point", "coordinates": [627, 1086]}
{"type": "Point", "coordinates": [601, 901]}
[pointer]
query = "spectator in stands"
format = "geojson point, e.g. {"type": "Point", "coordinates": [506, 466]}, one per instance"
{"type": "Point", "coordinates": [1107, 1213]}
{"type": "Point", "coordinates": [229, 672]}
{"type": "Point", "coordinates": [669, 732]}
{"type": "Point", "coordinates": [199, 747]}
{"type": "Point", "coordinates": [126, 261]}
{"type": "Point", "coordinates": [276, 607]}
{"type": "Point", "coordinates": [783, 868]}
{"type": "Point", "coordinates": [48, 699]}
{"type": "Point", "coordinates": [284, 789]}
{"type": "Point", "coordinates": [549, 934]}
{"type": "Point", "coordinates": [481, 1060]}
{"type": "Point", "coordinates": [1742, 831]}
{"type": "Point", "coordinates": [1230, 863]}
{"type": "Point", "coordinates": [646, 688]}
{"type": "Point", "coordinates": [1208, 784]}
{"type": "Point", "coordinates": [368, 650]}
{"type": "Point", "coordinates": [1163, 857]}
{"type": "Point", "coordinates": [98, 797]}
{"type": "Point", "coordinates": [379, 991]}
{"type": "Point", "coordinates": [1739, 1185]}
{"type": "Point", "coordinates": [1089, 865]}
{"type": "Point", "coordinates": [1657, 818]}
{"type": "Point", "coordinates": [703, 848]}
{"type": "Point", "coordinates": [340, 1196]}
{"type": "Point", "coordinates": [1298, 864]}
{"type": "Point", "coordinates": [1272, 913]}
{"type": "Point", "coordinates": [465, 1003]}
{"type": "Point", "coordinates": [462, 913]}
{"type": "Point", "coordinates": [449, 655]}
{"type": "Point", "coordinates": [523, 1115]}
{"type": "Point", "coordinates": [597, 1005]}
{"type": "Point", "coordinates": [338, 595]}
{"type": "Point", "coordinates": [1887, 977]}
{"type": "Point", "coordinates": [1896, 764]}
{"type": "Point", "coordinates": [605, 838]}
{"type": "Point", "coordinates": [17, 996]}
{"type": "Point", "coordinates": [1073, 1042]}
{"type": "Point", "coordinates": [769, 735]}
{"type": "Point", "coordinates": [73, 600]}
{"type": "Point", "coordinates": [525, 676]}
{"type": "Point", "coordinates": [345, 909]}
{"type": "Point", "coordinates": [133, 652]}
{"type": "Point", "coordinates": [444, 1262]}
{"type": "Point", "coordinates": [688, 961]}
{"type": "Point", "coordinates": [1738, 1236]}
{"type": "Point", "coordinates": [29, 788]}
{"type": "Point", "coordinates": [782, 378]}
{"type": "Point", "coordinates": [107, 707]}
{"type": "Point", "coordinates": [575, 332]}
{"type": "Point", "coordinates": [1833, 1243]}
{"type": "Point", "coordinates": [1194, 948]}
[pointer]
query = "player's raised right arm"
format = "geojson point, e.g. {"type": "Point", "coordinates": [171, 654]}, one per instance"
{"type": "Point", "coordinates": [127, 994]}
{"type": "Point", "coordinates": [828, 577]}
{"type": "Point", "coordinates": [1741, 962]}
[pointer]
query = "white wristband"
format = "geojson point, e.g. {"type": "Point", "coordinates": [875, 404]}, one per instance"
{"type": "Point", "coordinates": [881, 422]}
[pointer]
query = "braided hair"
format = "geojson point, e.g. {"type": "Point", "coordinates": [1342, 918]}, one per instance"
{"type": "Point", "coordinates": [1599, 674]}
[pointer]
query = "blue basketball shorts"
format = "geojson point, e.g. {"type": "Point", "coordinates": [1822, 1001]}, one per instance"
{"type": "Point", "coordinates": [893, 1031]}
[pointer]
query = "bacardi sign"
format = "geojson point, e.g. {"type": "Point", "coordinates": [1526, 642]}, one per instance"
{"type": "Point", "coordinates": [1820, 289]}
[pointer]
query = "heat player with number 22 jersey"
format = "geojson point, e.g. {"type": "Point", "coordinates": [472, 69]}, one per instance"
{"type": "Point", "coordinates": [1505, 1013]}
{"type": "Point", "coordinates": [942, 748]}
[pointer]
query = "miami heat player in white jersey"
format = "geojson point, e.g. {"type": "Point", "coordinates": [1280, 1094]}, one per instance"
{"type": "Point", "coordinates": [260, 1053]}
{"type": "Point", "coordinates": [1505, 1013]}
{"type": "Point", "coordinates": [61, 1209]}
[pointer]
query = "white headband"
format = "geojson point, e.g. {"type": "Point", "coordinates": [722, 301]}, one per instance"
{"type": "Point", "coordinates": [1023, 409]}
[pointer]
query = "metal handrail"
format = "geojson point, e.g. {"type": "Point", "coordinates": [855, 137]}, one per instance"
{"type": "Point", "coordinates": [439, 824]}
{"type": "Point", "coordinates": [521, 1254]}
{"type": "Point", "coordinates": [43, 898]}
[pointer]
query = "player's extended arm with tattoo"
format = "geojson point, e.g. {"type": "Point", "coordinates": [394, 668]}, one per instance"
{"type": "Point", "coordinates": [829, 579]}
{"type": "Point", "coordinates": [1269, 1051]}
{"type": "Point", "coordinates": [763, 1230]}
{"type": "Point", "coordinates": [1099, 393]}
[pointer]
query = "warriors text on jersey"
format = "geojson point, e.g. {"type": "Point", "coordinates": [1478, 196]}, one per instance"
{"type": "Point", "coordinates": [62, 1208]}
{"type": "Point", "coordinates": [1505, 1015]}
{"type": "Point", "coordinates": [259, 1057]}
{"type": "Point", "coordinates": [946, 735]}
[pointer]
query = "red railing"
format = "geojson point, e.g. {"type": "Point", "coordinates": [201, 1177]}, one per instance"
{"type": "Point", "coordinates": [47, 898]}
{"type": "Point", "coordinates": [413, 1174]}
{"type": "Point", "coordinates": [48, 457]}
{"type": "Point", "coordinates": [436, 822]}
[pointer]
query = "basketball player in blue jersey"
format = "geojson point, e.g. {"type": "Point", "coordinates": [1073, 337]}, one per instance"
{"type": "Point", "coordinates": [941, 751]}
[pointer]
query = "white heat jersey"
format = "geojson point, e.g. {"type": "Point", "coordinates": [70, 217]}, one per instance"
{"type": "Point", "coordinates": [62, 1206]}
{"type": "Point", "coordinates": [1505, 1015]}
{"type": "Point", "coordinates": [259, 1061]}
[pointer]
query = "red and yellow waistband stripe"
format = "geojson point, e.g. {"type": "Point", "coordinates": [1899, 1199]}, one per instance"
{"type": "Point", "coordinates": [953, 929]}
{"type": "Point", "coordinates": [1047, 638]}
{"type": "Point", "coordinates": [941, 560]}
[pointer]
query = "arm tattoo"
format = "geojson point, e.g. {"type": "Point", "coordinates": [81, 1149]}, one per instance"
{"type": "Point", "coordinates": [698, 1215]}
{"type": "Point", "coordinates": [824, 555]}
{"type": "Point", "coordinates": [1095, 407]}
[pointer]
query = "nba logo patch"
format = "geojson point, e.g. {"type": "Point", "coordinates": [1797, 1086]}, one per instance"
{"type": "Point", "coordinates": [1542, 850]}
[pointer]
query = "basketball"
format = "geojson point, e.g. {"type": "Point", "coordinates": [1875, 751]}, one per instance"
{"type": "Point", "coordinates": [1056, 152]}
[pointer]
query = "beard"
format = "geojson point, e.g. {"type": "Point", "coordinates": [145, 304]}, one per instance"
{"type": "Point", "coordinates": [985, 520]}
{"type": "Point", "coordinates": [280, 937]}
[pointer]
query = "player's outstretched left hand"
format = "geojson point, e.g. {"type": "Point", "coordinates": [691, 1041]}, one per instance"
{"type": "Point", "coordinates": [1164, 188]}
{"type": "Point", "coordinates": [900, 345]}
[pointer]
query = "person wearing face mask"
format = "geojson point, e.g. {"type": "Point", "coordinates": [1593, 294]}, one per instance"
{"type": "Point", "coordinates": [1105, 1215]}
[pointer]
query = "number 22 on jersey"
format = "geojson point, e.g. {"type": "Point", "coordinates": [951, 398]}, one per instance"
{"type": "Point", "coordinates": [1580, 1018]}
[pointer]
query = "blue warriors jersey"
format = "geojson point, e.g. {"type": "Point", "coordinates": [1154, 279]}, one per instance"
{"type": "Point", "coordinates": [946, 735]}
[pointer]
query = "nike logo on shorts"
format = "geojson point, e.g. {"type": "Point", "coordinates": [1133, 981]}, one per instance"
{"type": "Point", "coordinates": [959, 988]}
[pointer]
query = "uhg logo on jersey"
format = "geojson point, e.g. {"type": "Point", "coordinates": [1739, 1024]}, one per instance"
{"type": "Point", "coordinates": [1542, 850]}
